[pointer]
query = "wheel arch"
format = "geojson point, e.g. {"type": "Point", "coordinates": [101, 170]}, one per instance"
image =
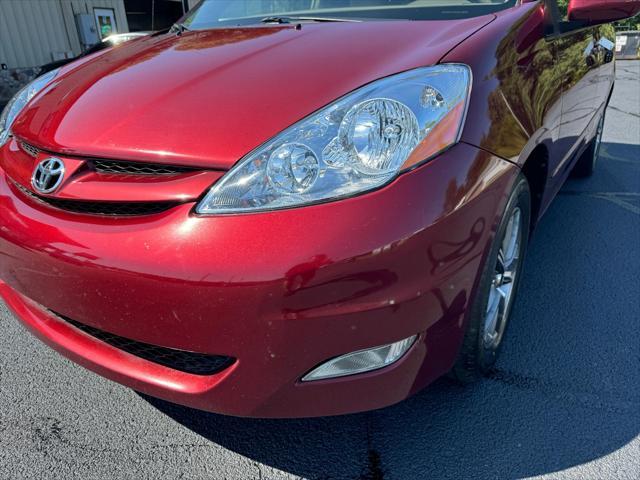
{"type": "Point", "coordinates": [536, 170]}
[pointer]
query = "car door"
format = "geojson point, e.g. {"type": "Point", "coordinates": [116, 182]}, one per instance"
{"type": "Point", "coordinates": [581, 58]}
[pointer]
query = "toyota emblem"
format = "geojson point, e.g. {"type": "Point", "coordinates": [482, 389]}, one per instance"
{"type": "Point", "coordinates": [48, 175]}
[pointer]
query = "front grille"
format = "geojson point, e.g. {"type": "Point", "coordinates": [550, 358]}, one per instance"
{"type": "Point", "coordinates": [29, 149]}
{"type": "Point", "coordinates": [117, 167]}
{"type": "Point", "coordinates": [188, 362]}
{"type": "Point", "coordinates": [114, 167]}
{"type": "Point", "coordinates": [114, 209]}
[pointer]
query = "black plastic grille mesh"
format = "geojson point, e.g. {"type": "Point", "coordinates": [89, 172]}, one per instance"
{"type": "Point", "coordinates": [134, 168]}
{"type": "Point", "coordinates": [188, 362]}
{"type": "Point", "coordinates": [115, 209]}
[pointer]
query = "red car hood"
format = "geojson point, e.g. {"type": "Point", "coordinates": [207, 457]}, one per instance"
{"type": "Point", "coordinates": [208, 98]}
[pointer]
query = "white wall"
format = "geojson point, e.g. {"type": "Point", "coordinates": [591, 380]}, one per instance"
{"type": "Point", "coordinates": [32, 30]}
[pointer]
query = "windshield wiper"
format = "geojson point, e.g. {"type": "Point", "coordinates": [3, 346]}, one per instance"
{"type": "Point", "coordinates": [284, 19]}
{"type": "Point", "coordinates": [179, 28]}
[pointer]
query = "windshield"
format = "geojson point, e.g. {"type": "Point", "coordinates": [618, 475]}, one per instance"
{"type": "Point", "coordinates": [212, 13]}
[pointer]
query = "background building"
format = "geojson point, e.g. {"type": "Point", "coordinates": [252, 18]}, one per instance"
{"type": "Point", "coordinates": [145, 15]}
{"type": "Point", "coordinates": [36, 32]}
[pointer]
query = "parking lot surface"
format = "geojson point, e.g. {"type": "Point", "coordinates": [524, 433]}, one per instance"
{"type": "Point", "coordinates": [563, 403]}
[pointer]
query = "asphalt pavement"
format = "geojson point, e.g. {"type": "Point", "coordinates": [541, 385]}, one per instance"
{"type": "Point", "coordinates": [564, 402]}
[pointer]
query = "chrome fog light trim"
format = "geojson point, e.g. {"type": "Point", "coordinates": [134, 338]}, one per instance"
{"type": "Point", "coordinates": [361, 361]}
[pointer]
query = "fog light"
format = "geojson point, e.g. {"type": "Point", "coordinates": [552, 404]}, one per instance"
{"type": "Point", "coordinates": [361, 361]}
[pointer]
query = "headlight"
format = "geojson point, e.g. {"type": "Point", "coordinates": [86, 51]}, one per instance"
{"type": "Point", "coordinates": [358, 143]}
{"type": "Point", "coordinates": [18, 102]}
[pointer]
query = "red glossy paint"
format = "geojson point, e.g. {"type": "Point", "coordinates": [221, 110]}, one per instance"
{"type": "Point", "coordinates": [207, 98]}
{"type": "Point", "coordinates": [236, 286]}
{"type": "Point", "coordinates": [522, 75]}
{"type": "Point", "coordinates": [83, 183]}
{"type": "Point", "coordinates": [599, 11]}
{"type": "Point", "coordinates": [280, 291]}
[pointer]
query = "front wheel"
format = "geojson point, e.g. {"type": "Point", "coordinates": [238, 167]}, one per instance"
{"type": "Point", "coordinates": [498, 286]}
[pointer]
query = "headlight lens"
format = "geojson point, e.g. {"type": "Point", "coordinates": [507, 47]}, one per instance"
{"type": "Point", "coordinates": [358, 143]}
{"type": "Point", "coordinates": [18, 102]}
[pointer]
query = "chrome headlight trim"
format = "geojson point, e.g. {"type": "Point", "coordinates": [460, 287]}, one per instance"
{"type": "Point", "coordinates": [19, 101]}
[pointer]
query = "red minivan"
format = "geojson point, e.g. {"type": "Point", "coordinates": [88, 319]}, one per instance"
{"type": "Point", "coordinates": [298, 207]}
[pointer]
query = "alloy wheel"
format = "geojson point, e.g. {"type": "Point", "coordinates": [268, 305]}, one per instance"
{"type": "Point", "coordinates": [503, 282]}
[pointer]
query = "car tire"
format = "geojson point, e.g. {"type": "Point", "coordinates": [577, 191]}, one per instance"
{"type": "Point", "coordinates": [493, 305]}
{"type": "Point", "coordinates": [586, 164]}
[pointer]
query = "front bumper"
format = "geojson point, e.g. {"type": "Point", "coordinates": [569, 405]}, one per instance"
{"type": "Point", "coordinates": [280, 292]}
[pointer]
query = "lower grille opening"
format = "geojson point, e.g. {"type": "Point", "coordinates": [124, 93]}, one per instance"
{"type": "Point", "coordinates": [116, 209]}
{"type": "Point", "coordinates": [183, 361]}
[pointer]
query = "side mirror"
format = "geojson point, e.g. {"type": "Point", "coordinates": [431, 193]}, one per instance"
{"type": "Point", "coordinates": [593, 12]}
